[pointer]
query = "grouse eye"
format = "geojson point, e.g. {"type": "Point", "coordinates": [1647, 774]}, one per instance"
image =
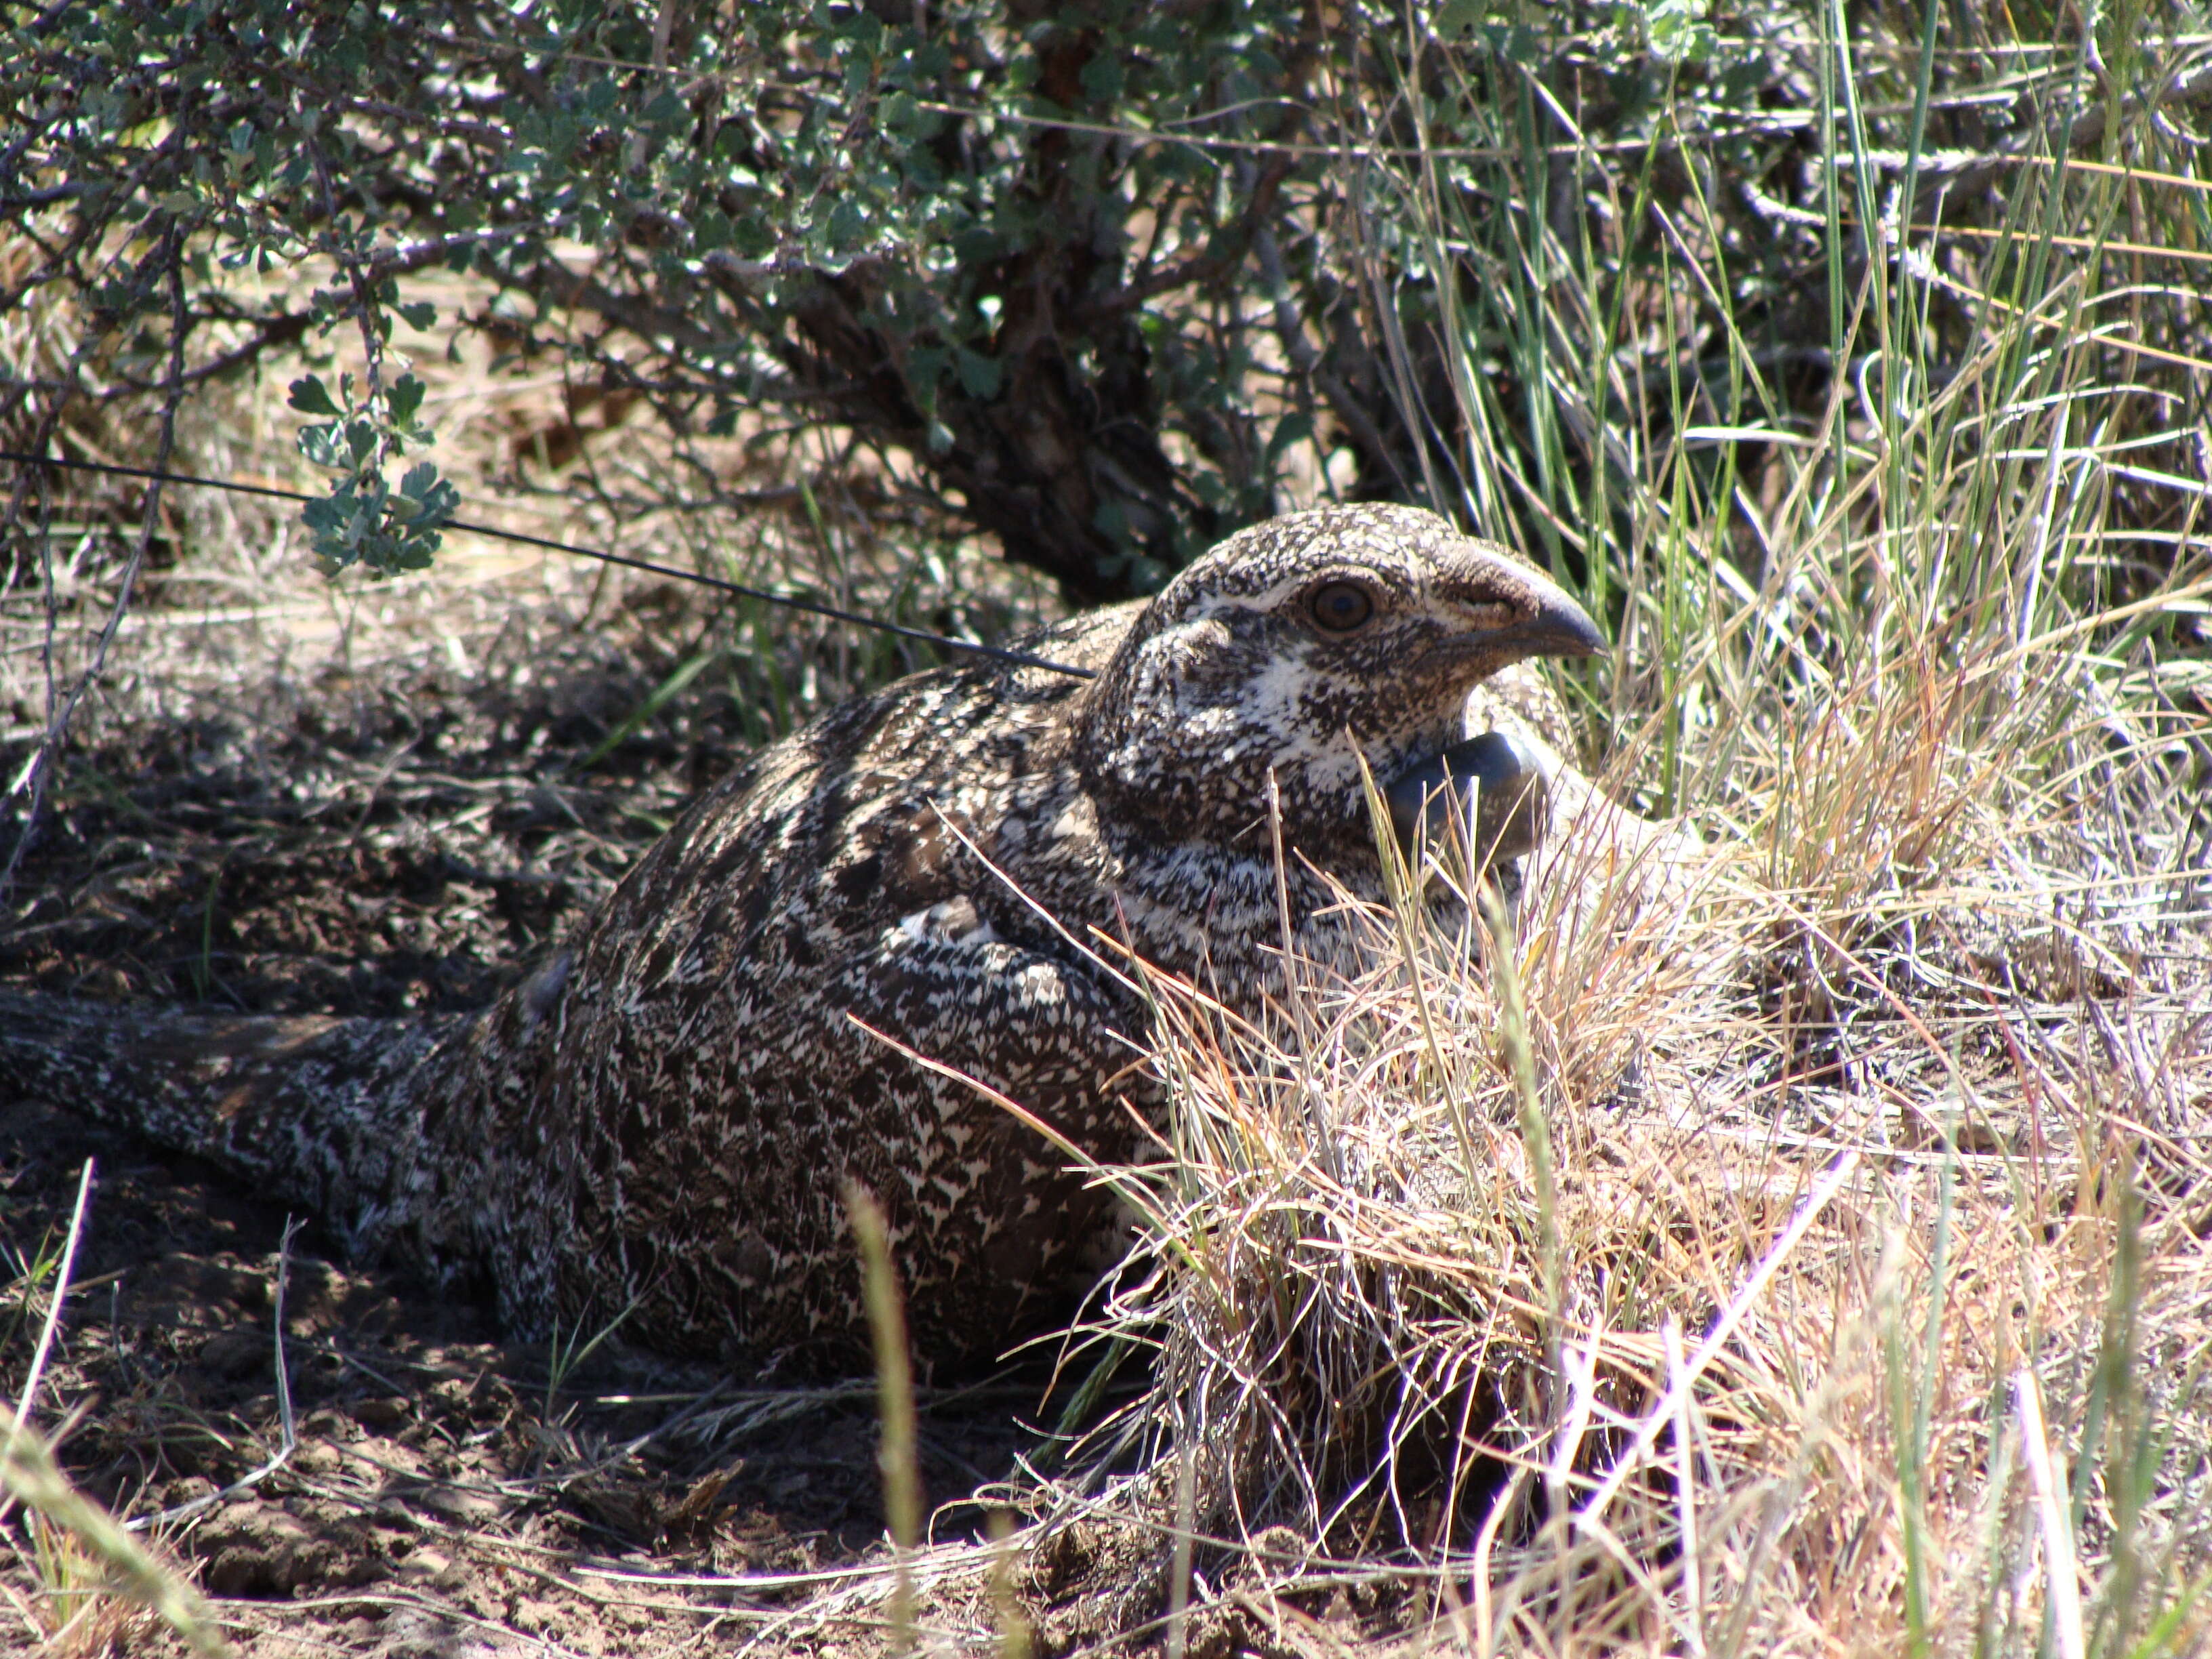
{"type": "Point", "coordinates": [1339, 607]}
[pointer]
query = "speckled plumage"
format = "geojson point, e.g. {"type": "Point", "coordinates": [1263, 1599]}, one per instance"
{"type": "Point", "coordinates": [662, 1115]}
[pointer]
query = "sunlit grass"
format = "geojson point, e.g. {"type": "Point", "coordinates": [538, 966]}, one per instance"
{"type": "Point", "coordinates": [1838, 1279]}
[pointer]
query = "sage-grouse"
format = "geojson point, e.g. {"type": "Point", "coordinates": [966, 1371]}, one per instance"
{"type": "Point", "coordinates": [662, 1119]}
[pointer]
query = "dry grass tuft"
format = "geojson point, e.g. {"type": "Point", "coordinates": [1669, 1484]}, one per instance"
{"type": "Point", "coordinates": [1794, 1240]}
{"type": "Point", "coordinates": [97, 1590]}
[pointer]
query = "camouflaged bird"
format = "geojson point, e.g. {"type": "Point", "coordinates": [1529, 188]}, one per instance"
{"type": "Point", "coordinates": [660, 1119]}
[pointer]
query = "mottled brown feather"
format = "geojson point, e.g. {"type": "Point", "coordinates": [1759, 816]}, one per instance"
{"type": "Point", "coordinates": [660, 1119]}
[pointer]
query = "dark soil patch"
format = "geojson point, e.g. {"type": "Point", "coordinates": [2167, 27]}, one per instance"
{"type": "Point", "coordinates": [401, 845]}
{"type": "Point", "coordinates": [405, 842]}
{"type": "Point", "coordinates": [436, 1473]}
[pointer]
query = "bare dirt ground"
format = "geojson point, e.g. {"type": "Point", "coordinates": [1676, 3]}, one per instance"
{"type": "Point", "coordinates": [385, 799]}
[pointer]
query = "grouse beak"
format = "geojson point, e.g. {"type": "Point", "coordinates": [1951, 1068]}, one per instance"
{"type": "Point", "coordinates": [1560, 627]}
{"type": "Point", "coordinates": [1548, 624]}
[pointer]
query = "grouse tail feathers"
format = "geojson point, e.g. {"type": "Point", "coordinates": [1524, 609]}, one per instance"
{"type": "Point", "coordinates": [336, 1116]}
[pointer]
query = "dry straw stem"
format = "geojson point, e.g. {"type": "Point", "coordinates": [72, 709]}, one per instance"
{"type": "Point", "coordinates": [53, 1320]}
{"type": "Point", "coordinates": [287, 1428]}
{"type": "Point", "coordinates": [1877, 1096]}
{"type": "Point", "coordinates": [78, 1529]}
{"type": "Point", "coordinates": [119, 1565]}
{"type": "Point", "coordinates": [895, 1388]}
{"type": "Point", "coordinates": [83, 1558]}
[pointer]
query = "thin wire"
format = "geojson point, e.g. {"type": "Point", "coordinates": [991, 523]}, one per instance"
{"type": "Point", "coordinates": [1773, 121]}
{"type": "Point", "coordinates": [998, 653]}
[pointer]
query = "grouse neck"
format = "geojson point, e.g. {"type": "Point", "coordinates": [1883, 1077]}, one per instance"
{"type": "Point", "coordinates": [1191, 757]}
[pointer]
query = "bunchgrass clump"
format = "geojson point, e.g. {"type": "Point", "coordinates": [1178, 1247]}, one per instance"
{"type": "Point", "coordinates": [1787, 1234]}
{"type": "Point", "coordinates": [1765, 1315]}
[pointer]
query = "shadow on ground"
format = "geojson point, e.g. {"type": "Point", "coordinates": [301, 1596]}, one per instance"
{"type": "Point", "coordinates": [402, 841]}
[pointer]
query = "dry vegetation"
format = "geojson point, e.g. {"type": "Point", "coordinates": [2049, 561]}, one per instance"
{"type": "Point", "coordinates": [1798, 1240]}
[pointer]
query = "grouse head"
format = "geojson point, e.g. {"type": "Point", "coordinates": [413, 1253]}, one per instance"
{"type": "Point", "coordinates": [1302, 646]}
